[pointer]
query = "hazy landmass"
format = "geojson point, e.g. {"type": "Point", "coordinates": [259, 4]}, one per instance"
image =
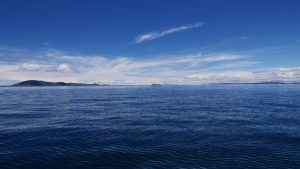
{"type": "Point", "coordinates": [29, 83]}
{"type": "Point", "coordinates": [268, 82]}
{"type": "Point", "coordinates": [44, 83]}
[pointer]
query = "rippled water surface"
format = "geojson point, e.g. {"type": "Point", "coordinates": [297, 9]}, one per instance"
{"type": "Point", "coordinates": [208, 126]}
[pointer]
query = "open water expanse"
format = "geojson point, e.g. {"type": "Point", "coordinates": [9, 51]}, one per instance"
{"type": "Point", "coordinates": [206, 126]}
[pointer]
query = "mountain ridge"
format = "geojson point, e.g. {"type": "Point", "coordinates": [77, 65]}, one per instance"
{"type": "Point", "coordinates": [29, 83]}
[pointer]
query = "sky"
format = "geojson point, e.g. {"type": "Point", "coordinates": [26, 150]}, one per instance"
{"type": "Point", "coordinates": [144, 42]}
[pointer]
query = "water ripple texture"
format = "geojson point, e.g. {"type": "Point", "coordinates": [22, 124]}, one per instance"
{"type": "Point", "coordinates": [206, 126]}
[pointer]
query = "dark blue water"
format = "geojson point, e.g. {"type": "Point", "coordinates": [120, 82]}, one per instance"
{"type": "Point", "coordinates": [209, 126]}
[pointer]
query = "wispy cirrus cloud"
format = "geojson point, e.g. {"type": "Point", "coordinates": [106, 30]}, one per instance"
{"type": "Point", "coordinates": [155, 35]}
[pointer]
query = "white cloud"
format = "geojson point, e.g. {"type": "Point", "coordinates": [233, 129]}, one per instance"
{"type": "Point", "coordinates": [65, 68]}
{"type": "Point", "coordinates": [30, 66]}
{"type": "Point", "coordinates": [278, 75]}
{"type": "Point", "coordinates": [185, 69]}
{"type": "Point", "coordinates": [154, 35]}
{"type": "Point", "coordinates": [219, 77]}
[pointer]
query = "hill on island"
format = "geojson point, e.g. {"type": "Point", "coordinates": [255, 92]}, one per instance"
{"type": "Point", "coordinates": [44, 83]}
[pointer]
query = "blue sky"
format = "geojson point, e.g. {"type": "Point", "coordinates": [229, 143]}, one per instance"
{"type": "Point", "coordinates": [142, 42]}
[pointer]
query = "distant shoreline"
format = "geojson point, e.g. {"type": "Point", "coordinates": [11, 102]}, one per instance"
{"type": "Point", "coordinates": [37, 83]}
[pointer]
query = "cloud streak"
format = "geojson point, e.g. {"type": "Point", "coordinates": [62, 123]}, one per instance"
{"type": "Point", "coordinates": [155, 35]}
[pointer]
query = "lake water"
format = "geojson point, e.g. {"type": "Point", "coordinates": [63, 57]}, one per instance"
{"type": "Point", "coordinates": [207, 126]}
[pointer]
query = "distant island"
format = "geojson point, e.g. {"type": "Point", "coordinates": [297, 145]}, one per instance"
{"type": "Point", "coordinates": [156, 85]}
{"type": "Point", "coordinates": [29, 83]}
